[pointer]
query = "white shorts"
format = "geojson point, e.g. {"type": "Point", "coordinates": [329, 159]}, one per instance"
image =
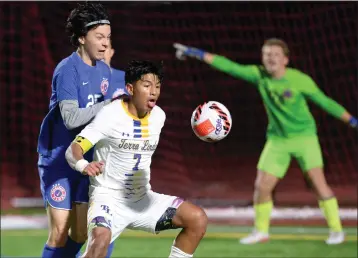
{"type": "Point", "coordinates": [119, 214]}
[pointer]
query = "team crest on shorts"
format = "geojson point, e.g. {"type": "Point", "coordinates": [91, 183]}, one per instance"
{"type": "Point", "coordinates": [117, 93]}
{"type": "Point", "coordinates": [58, 193]}
{"type": "Point", "coordinates": [104, 86]}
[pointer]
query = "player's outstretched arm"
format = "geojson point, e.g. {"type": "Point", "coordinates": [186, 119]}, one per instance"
{"type": "Point", "coordinates": [248, 73]}
{"type": "Point", "coordinates": [334, 108]}
{"type": "Point", "coordinates": [328, 104]}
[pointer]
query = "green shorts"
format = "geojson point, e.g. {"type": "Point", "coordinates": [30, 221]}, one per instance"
{"type": "Point", "coordinates": [277, 153]}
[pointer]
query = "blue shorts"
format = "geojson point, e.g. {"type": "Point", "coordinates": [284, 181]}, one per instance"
{"type": "Point", "coordinates": [61, 185]}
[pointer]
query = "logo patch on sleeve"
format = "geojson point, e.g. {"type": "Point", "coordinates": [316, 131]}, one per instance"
{"type": "Point", "coordinates": [104, 86]}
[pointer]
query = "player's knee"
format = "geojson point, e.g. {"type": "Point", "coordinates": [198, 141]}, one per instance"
{"type": "Point", "coordinates": [201, 219]}
{"type": "Point", "coordinates": [100, 239]}
{"type": "Point", "coordinates": [198, 221]}
{"type": "Point", "coordinates": [263, 189]}
{"type": "Point", "coordinates": [58, 236]}
{"type": "Point", "coordinates": [319, 183]}
{"type": "Point", "coordinates": [100, 228]}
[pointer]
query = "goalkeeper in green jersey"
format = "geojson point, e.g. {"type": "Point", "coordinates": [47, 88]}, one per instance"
{"type": "Point", "coordinates": [291, 131]}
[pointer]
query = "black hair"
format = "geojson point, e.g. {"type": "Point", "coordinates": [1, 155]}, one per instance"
{"type": "Point", "coordinates": [83, 14]}
{"type": "Point", "coordinates": [136, 69]}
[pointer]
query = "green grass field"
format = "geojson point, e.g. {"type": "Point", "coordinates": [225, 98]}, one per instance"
{"type": "Point", "coordinates": [220, 241]}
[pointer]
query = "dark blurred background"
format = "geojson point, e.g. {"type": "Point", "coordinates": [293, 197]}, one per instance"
{"type": "Point", "coordinates": [322, 38]}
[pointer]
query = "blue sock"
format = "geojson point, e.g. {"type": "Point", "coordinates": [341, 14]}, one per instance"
{"type": "Point", "coordinates": [72, 249]}
{"type": "Point", "coordinates": [52, 252]}
{"type": "Point", "coordinates": [110, 250]}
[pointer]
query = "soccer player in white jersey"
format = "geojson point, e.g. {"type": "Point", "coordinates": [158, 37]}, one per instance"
{"type": "Point", "coordinates": [125, 134]}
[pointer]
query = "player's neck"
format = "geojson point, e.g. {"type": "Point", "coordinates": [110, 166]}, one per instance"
{"type": "Point", "coordinates": [279, 74]}
{"type": "Point", "coordinates": [85, 57]}
{"type": "Point", "coordinates": [133, 110]}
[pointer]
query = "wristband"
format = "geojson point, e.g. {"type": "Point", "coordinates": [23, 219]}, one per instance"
{"type": "Point", "coordinates": [198, 53]}
{"type": "Point", "coordinates": [353, 122]}
{"type": "Point", "coordinates": [81, 165]}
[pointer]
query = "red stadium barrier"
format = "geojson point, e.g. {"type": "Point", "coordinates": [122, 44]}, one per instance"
{"type": "Point", "coordinates": [321, 36]}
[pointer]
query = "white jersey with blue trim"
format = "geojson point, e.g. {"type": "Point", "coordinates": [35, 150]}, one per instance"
{"type": "Point", "coordinates": [125, 144]}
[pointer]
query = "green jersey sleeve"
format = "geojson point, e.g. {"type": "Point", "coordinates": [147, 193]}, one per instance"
{"type": "Point", "coordinates": [249, 73]}
{"type": "Point", "coordinates": [313, 93]}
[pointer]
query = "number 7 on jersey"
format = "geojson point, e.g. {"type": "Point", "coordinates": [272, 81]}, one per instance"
{"type": "Point", "coordinates": [137, 156]}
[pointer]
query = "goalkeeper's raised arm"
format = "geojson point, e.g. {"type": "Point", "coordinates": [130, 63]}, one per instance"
{"type": "Point", "coordinates": [250, 73]}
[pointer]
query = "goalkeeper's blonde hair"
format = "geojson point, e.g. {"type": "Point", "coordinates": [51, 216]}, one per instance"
{"type": "Point", "coordinates": [278, 42]}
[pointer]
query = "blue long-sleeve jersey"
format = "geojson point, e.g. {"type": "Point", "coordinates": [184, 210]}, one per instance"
{"type": "Point", "coordinates": [73, 80]}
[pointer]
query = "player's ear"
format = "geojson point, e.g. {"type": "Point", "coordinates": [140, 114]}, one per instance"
{"type": "Point", "coordinates": [129, 88]}
{"type": "Point", "coordinates": [81, 40]}
{"type": "Point", "coordinates": [286, 61]}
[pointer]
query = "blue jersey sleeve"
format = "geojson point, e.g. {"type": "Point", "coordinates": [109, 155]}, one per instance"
{"type": "Point", "coordinates": [66, 82]}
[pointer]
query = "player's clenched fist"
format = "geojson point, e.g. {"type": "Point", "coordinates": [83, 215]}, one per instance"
{"type": "Point", "coordinates": [94, 168]}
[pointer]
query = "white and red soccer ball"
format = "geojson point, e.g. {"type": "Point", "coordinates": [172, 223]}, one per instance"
{"type": "Point", "coordinates": [211, 121]}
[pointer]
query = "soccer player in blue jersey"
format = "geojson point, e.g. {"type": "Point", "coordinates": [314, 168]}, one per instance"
{"type": "Point", "coordinates": [117, 78]}
{"type": "Point", "coordinates": [79, 86]}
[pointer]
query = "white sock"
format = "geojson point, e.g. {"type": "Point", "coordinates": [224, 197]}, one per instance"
{"type": "Point", "coordinates": [177, 253]}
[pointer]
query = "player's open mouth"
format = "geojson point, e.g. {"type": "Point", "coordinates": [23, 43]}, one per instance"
{"type": "Point", "coordinates": [151, 103]}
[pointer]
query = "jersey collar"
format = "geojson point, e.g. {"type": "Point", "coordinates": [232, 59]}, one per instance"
{"type": "Point", "coordinates": [132, 116]}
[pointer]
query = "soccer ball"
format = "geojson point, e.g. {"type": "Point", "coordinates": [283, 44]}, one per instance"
{"type": "Point", "coordinates": [211, 121]}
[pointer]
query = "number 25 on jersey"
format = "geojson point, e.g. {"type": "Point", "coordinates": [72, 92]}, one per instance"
{"type": "Point", "coordinates": [93, 99]}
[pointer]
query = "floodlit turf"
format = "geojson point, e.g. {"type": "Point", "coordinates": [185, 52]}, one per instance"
{"type": "Point", "coordinates": [220, 241]}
